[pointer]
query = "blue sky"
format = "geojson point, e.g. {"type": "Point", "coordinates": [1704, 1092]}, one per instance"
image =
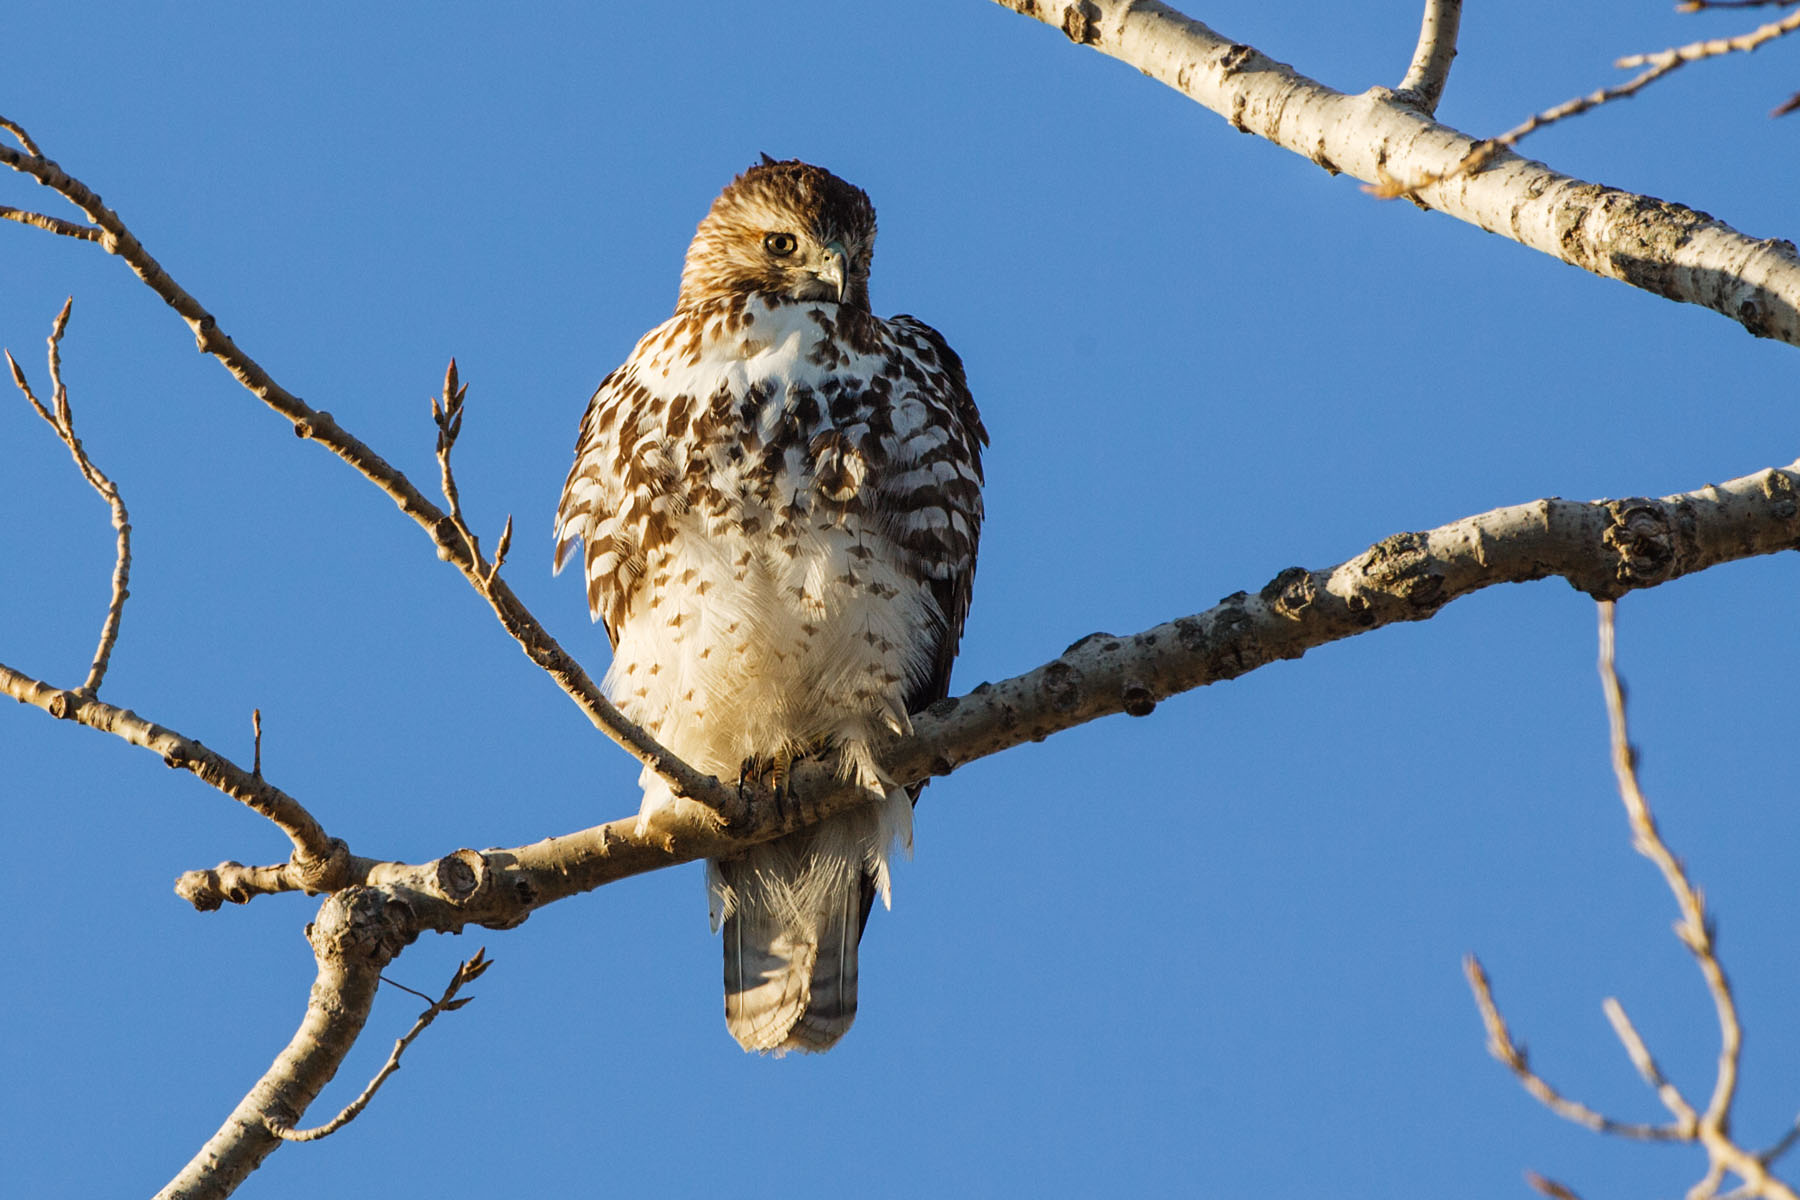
{"type": "Point", "coordinates": [1214, 952]}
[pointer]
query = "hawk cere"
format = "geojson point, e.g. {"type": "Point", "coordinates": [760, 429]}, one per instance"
{"type": "Point", "coordinates": [779, 500]}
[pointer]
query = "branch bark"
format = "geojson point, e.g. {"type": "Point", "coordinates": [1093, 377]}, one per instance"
{"type": "Point", "coordinates": [1425, 78]}
{"type": "Point", "coordinates": [314, 425]}
{"type": "Point", "coordinates": [1661, 247]}
{"type": "Point", "coordinates": [1604, 548]}
{"type": "Point", "coordinates": [358, 932]}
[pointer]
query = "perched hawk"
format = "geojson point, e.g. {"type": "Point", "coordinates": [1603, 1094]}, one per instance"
{"type": "Point", "coordinates": [779, 498]}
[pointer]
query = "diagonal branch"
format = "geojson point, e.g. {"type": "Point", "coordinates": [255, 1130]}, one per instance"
{"type": "Point", "coordinates": [356, 934]}
{"type": "Point", "coordinates": [1605, 548]}
{"type": "Point", "coordinates": [1377, 137]}
{"type": "Point", "coordinates": [62, 419]}
{"type": "Point", "coordinates": [1658, 65]}
{"type": "Point", "coordinates": [1503, 1048]}
{"type": "Point", "coordinates": [319, 863]}
{"type": "Point", "coordinates": [317, 426]}
{"type": "Point", "coordinates": [1711, 1130]}
{"type": "Point", "coordinates": [465, 973]}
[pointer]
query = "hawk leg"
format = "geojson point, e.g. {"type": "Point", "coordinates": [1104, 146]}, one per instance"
{"type": "Point", "coordinates": [775, 772]}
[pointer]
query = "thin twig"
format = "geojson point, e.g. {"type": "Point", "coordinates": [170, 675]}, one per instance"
{"type": "Point", "coordinates": [48, 223]}
{"type": "Point", "coordinates": [1512, 1055]}
{"type": "Point", "coordinates": [1550, 1187]}
{"type": "Point", "coordinates": [1430, 67]}
{"type": "Point", "coordinates": [1694, 6]}
{"type": "Point", "coordinates": [447, 414]}
{"type": "Point", "coordinates": [466, 973]}
{"type": "Point", "coordinates": [256, 729]}
{"type": "Point", "coordinates": [1695, 929]}
{"type": "Point", "coordinates": [1658, 65]}
{"type": "Point", "coordinates": [61, 418]}
{"type": "Point", "coordinates": [1788, 1139]}
{"type": "Point", "coordinates": [310, 423]}
{"type": "Point", "coordinates": [1646, 1064]}
{"type": "Point", "coordinates": [319, 861]}
{"type": "Point", "coordinates": [24, 139]}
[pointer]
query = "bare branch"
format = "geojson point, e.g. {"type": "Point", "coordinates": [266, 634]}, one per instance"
{"type": "Point", "coordinates": [1787, 1140]}
{"type": "Point", "coordinates": [1695, 929]}
{"type": "Point", "coordinates": [1508, 1052]}
{"type": "Point", "coordinates": [1430, 69]}
{"type": "Point", "coordinates": [48, 223]}
{"type": "Point", "coordinates": [1710, 1129]}
{"type": "Point", "coordinates": [467, 972]}
{"type": "Point", "coordinates": [1659, 64]}
{"type": "Point", "coordinates": [1604, 547]}
{"type": "Point", "coordinates": [1376, 137]}
{"type": "Point", "coordinates": [1694, 6]}
{"type": "Point", "coordinates": [61, 418]}
{"type": "Point", "coordinates": [24, 139]}
{"type": "Point", "coordinates": [1646, 1064]}
{"type": "Point", "coordinates": [319, 862]}
{"type": "Point", "coordinates": [356, 934]}
{"type": "Point", "coordinates": [448, 415]}
{"type": "Point", "coordinates": [1550, 1187]}
{"type": "Point", "coordinates": [317, 426]}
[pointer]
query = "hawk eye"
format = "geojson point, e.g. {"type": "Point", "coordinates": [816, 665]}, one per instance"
{"type": "Point", "coordinates": [780, 244]}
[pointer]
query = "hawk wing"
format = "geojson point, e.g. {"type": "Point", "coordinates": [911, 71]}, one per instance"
{"type": "Point", "coordinates": [617, 486]}
{"type": "Point", "coordinates": [934, 497]}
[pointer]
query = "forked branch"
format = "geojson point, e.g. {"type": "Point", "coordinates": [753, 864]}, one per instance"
{"type": "Point", "coordinates": [1709, 1129]}
{"type": "Point", "coordinates": [61, 417]}
{"type": "Point", "coordinates": [1388, 141]}
{"type": "Point", "coordinates": [468, 972]}
{"type": "Point", "coordinates": [317, 426]}
{"type": "Point", "coordinates": [1430, 68]}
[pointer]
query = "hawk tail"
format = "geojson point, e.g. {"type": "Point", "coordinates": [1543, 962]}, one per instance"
{"type": "Point", "coordinates": [794, 914]}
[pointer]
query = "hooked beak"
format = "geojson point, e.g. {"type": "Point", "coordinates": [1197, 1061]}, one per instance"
{"type": "Point", "coordinates": [835, 269]}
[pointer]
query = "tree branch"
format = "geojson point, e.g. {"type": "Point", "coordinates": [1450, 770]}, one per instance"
{"type": "Point", "coordinates": [1659, 64]}
{"type": "Point", "coordinates": [356, 934]}
{"type": "Point", "coordinates": [319, 427]}
{"type": "Point", "coordinates": [1664, 248]}
{"type": "Point", "coordinates": [1604, 548]}
{"type": "Point", "coordinates": [1425, 78]}
{"type": "Point", "coordinates": [1711, 1130]}
{"type": "Point", "coordinates": [62, 420]}
{"type": "Point", "coordinates": [465, 973]}
{"type": "Point", "coordinates": [318, 862]}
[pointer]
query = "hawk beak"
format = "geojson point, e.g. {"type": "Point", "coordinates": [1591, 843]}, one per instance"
{"type": "Point", "coordinates": [835, 270]}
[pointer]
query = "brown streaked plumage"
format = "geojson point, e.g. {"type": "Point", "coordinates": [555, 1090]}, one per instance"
{"type": "Point", "coordinates": [778, 496]}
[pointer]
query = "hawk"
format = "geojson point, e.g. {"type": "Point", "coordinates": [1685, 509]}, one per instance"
{"type": "Point", "coordinates": [778, 497]}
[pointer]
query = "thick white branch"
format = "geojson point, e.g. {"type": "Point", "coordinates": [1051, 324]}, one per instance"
{"type": "Point", "coordinates": [1664, 248]}
{"type": "Point", "coordinates": [1430, 68]}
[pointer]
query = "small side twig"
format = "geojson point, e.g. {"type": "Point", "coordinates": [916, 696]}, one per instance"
{"type": "Point", "coordinates": [1430, 67]}
{"type": "Point", "coordinates": [1695, 929]}
{"type": "Point", "coordinates": [447, 414]}
{"type": "Point", "coordinates": [256, 727]}
{"type": "Point", "coordinates": [23, 138]}
{"type": "Point", "coordinates": [61, 418]}
{"type": "Point", "coordinates": [1550, 1187]}
{"type": "Point", "coordinates": [1656, 66]}
{"type": "Point", "coordinates": [44, 221]}
{"type": "Point", "coordinates": [1709, 1129]}
{"type": "Point", "coordinates": [466, 973]}
{"type": "Point", "coordinates": [1509, 1052]}
{"type": "Point", "coordinates": [1647, 1067]}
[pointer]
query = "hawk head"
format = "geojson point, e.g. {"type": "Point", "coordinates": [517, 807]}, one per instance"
{"type": "Point", "coordinates": [786, 229]}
